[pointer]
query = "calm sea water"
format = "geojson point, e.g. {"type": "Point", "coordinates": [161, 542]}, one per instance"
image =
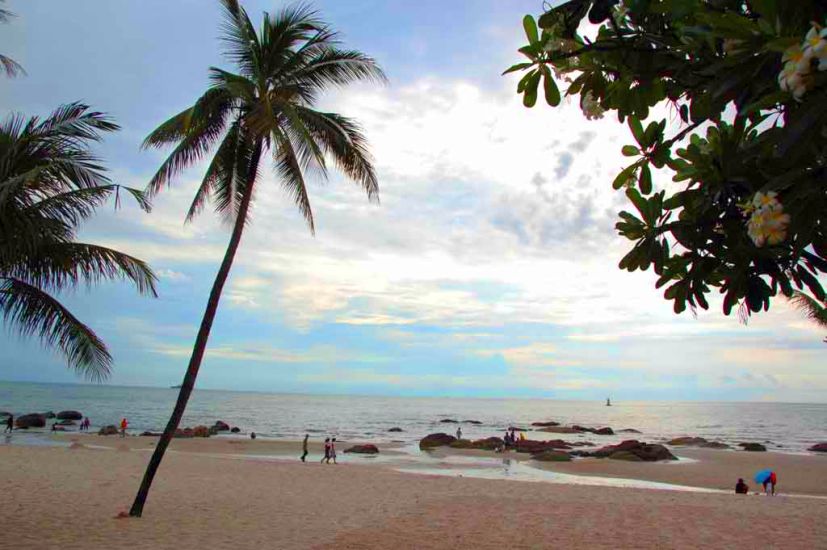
{"type": "Point", "coordinates": [788, 426]}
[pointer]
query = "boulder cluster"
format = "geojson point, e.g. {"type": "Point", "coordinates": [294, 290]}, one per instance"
{"type": "Point", "coordinates": [688, 441]}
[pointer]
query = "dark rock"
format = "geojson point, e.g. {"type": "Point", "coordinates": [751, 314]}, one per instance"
{"type": "Point", "coordinates": [151, 434]}
{"type": "Point", "coordinates": [449, 421]}
{"type": "Point", "coordinates": [235, 429]}
{"type": "Point", "coordinates": [581, 443]}
{"type": "Point", "coordinates": [201, 431]}
{"type": "Point", "coordinates": [715, 445]}
{"type": "Point", "coordinates": [548, 424]}
{"type": "Point", "coordinates": [49, 414]}
{"type": "Point", "coordinates": [34, 420]}
{"type": "Point", "coordinates": [476, 422]}
{"type": "Point", "coordinates": [221, 426]}
{"type": "Point", "coordinates": [754, 447]}
{"type": "Point", "coordinates": [108, 430]}
{"type": "Point", "coordinates": [625, 455]}
{"type": "Point", "coordinates": [533, 446]}
{"type": "Point", "coordinates": [4, 413]}
{"type": "Point", "coordinates": [66, 423]}
{"type": "Point", "coordinates": [213, 430]}
{"type": "Point", "coordinates": [368, 449]}
{"type": "Point", "coordinates": [629, 431]}
{"type": "Point", "coordinates": [642, 451]}
{"type": "Point", "coordinates": [396, 430]}
{"type": "Point", "coordinates": [183, 433]}
{"type": "Point", "coordinates": [687, 440]}
{"type": "Point", "coordinates": [552, 456]}
{"type": "Point", "coordinates": [461, 444]}
{"type": "Point", "coordinates": [436, 440]}
{"type": "Point", "coordinates": [819, 448]}
{"type": "Point", "coordinates": [604, 431]}
{"type": "Point", "coordinates": [69, 415]}
{"type": "Point", "coordinates": [489, 443]}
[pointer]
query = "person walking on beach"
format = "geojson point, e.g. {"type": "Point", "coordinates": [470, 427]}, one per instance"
{"type": "Point", "coordinates": [326, 451]}
{"type": "Point", "coordinates": [304, 447]}
{"type": "Point", "coordinates": [9, 424]}
{"type": "Point", "coordinates": [459, 433]}
{"type": "Point", "coordinates": [124, 426]}
{"type": "Point", "coordinates": [332, 451]}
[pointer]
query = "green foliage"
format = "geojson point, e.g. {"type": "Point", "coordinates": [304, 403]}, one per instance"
{"type": "Point", "coordinates": [8, 65]}
{"type": "Point", "coordinates": [49, 184]}
{"type": "Point", "coordinates": [743, 86]}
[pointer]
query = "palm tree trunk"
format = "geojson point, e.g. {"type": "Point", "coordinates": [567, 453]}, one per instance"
{"type": "Point", "coordinates": [200, 343]}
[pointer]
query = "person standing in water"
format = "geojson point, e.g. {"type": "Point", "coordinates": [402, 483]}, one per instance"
{"type": "Point", "coordinates": [124, 426]}
{"type": "Point", "coordinates": [332, 451]}
{"type": "Point", "coordinates": [326, 456]}
{"type": "Point", "coordinates": [304, 447]}
{"type": "Point", "coordinates": [459, 433]}
{"type": "Point", "coordinates": [9, 424]}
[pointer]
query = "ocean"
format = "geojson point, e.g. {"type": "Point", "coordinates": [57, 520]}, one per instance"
{"type": "Point", "coordinates": [786, 427]}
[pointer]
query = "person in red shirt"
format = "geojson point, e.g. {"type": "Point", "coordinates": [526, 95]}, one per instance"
{"type": "Point", "coordinates": [124, 426]}
{"type": "Point", "coordinates": [770, 484]}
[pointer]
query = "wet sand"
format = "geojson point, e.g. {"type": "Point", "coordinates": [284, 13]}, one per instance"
{"type": "Point", "coordinates": [60, 497]}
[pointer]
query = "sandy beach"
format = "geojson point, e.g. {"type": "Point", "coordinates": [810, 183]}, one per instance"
{"type": "Point", "coordinates": [207, 495]}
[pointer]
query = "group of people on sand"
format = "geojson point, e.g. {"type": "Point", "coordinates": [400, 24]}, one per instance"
{"type": "Point", "coordinates": [770, 484]}
{"type": "Point", "coordinates": [329, 449]}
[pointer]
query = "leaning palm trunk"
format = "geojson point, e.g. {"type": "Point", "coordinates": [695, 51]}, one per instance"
{"type": "Point", "coordinates": [200, 346]}
{"type": "Point", "coordinates": [266, 107]}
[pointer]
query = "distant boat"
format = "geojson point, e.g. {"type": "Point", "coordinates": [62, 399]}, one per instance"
{"type": "Point", "coordinates": [178, 387]}
{"type": "Point", "coordinates": [608, 402]}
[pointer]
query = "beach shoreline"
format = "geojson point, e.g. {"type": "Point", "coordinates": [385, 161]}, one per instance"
{"type": "Point", "coordinates": [68, 497]}
{"type": "Point", "coordinates": [714, 469]}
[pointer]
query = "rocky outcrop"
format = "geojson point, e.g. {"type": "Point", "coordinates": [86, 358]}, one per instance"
{"type": "Point", "coordinates": [552, 456]}
{"type": "Point", "coordinates": [577, 430]}
{"type": "Point", "coordinates": [66, 423]}
{"type": "Point", "coordinates": [49, 414]}
{"type": "Point", "coordinates": [436, 440]}
{"type": "Point", "coordinates": [367, 449]}
{"type": "Point", "coordinates": [4, 414]}
{"type": "Point", "coordinates": [235, 429]}
{"type": "Point", "coordinates": [549, 424]}
{"type": "Point", "coordinates": [489, 443]}
{"type": "Point", "coordinates": [475, 422]}
{"type": "Point", "coordinates": [629, 431]}
{"type": "Point", "coordinates": [632, 450]}
{"type": "Point", "coordinates": [461, 444]}
{"type": "Point", "coordinates": [819, 448]}
{"type": "Point", "coordinates": [108, 430]}
{"type": "Point", "coordinates": [753, 447]}
{"type": "Point", "coordinates": [396, 430]}
{"type": "Point", "coordinates": [449, 421]}
{"type": "Point", "coordinates": [221, 426]}
{"type": "Point", "coordinates": [688, 441]}
{"type": "Point", "coordinates": [69, 415]}
{"type": "Point", "coordinates": [34, 420]}
{"type": "Point", "coordinates": [533, 446]}
{"type": "Point", "coordinates": [201, 431]}
{"type": "Point", "coordinates": [150, 434]}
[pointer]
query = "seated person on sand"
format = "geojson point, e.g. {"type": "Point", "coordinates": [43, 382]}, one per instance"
{"type": "Point", "coordinates": [741, 488]}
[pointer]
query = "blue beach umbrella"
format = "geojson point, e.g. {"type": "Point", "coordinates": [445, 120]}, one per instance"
{"type": "Point", "coordinates": [762, 476]}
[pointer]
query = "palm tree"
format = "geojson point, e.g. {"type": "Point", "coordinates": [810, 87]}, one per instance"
{"type": "Point", "coordinates": [11, 67]}
{"type": "Point", "coordinates": [49, 183]}
{"type": "Point", "coordinates": [811, 308]}
{"type": "Point", "coordinates": [266, 107]}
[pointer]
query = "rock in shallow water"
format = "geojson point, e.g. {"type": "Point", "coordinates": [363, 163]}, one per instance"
{"type": "Point", "coordinates": [436, 440]}
{"type": "Point", "coordinates": [395, 430]}
{"type": "Point", "coordinates": [754, 447]}
{"type": "Point", "coordinates": [108, 430]}
{"type": "Point", "coordinates": [819, 448]}
{"type": "Point", "coordinates": [33, 420]}
{"type": "Point", "coordinates": [69, 415]}
{"type": "Point", "coordinates": [368, 449]}
{"type": "Point", "coordinates": [633, 450]}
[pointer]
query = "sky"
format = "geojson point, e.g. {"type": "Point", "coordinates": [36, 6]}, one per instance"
{"type": "Point", "coordinates": [488, 269]}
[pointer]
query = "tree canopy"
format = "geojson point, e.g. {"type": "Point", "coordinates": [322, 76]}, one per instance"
{"type": "Point", "coordinates": [728, 98]}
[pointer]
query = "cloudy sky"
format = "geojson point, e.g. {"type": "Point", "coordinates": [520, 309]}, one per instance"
{"type": "Point", "coordinates": [488, 269]}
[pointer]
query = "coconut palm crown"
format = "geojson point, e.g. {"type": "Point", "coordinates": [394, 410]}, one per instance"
{"type": "Point", "coordinates": [50, 183]}
{"type": "Point", "coordinates": [264, 107]}
{"type": "Point", "coordinates": [811, 308]}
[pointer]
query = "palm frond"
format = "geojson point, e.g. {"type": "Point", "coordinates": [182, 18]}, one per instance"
{"type": "Point", "coordinates": [58, 266]}
{"type": "Point", "coordinates": [11, 67]}
{"type": "Point", "coordinates": [810, 307]}
{"type": "Point", "coordinates": [289, 169]}
{"type": "Point", "coordinates": [342, 139]}
{"type": "Point", "coordinates": [31, 312]}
